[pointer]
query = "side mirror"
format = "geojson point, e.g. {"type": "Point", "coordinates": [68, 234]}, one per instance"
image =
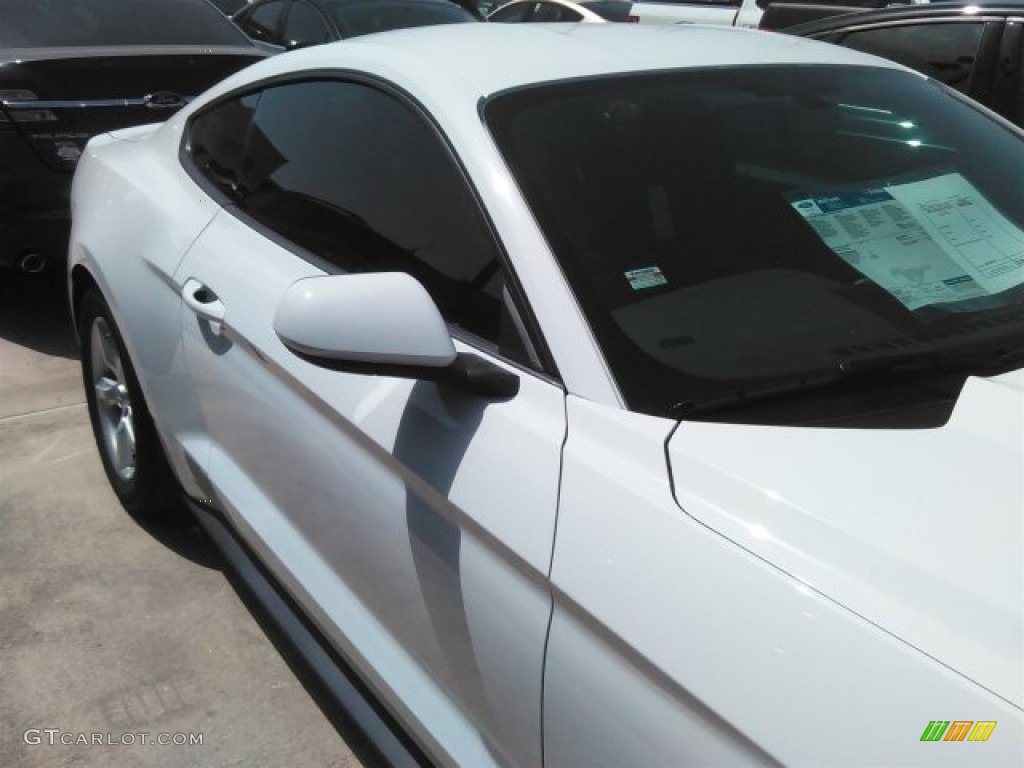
{"type": "Point", "coordinates": [386, 318]}
{"type": "Point", "coordinates": [380, 323]}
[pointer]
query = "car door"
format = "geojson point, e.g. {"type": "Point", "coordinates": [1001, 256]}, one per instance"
{"type": "Point", "coordinates": [959, 52]}
{"type": "Point", "coordinates": [413, 521]}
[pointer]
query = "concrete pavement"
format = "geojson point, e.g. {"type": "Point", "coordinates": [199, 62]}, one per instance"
{"type": "Point", "coordinates": [109, 630]}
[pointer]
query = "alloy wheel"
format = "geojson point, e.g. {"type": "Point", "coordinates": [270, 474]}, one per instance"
{"type": "Point", "coordinates": [113, 401]}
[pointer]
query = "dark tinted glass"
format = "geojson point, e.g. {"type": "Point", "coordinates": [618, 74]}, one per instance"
{"type": "Point", "coordinates": [612, 10]}
{"type": "Point", "coordinates": [553, 12]}
{"type": "Point", "coordinates": [691, 2]}
{"type": "Point", "coordinates": [217, 140]}
{"type": "Point", "coordinates": [33, 23]}
{"type": "Point", "coordinates": [305, 26]}
{"type": "Point", "coordinates": [512, 12]}
{"type": "Point", "coordinates": [738, 233]}
{"type": "Point", "coordinates": [944, 51]}
{"type": "Point", "coordinates": [362, 181]}
{"type": "Point", "coordinates": [262, 21]}
{"type": "Point", "coordinates": [361, 17]}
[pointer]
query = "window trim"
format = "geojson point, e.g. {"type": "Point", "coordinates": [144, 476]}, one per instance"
{"type": "Point", "coordinates": [910, 21]}
{"type": "Point", "coordinates": [534, 337]}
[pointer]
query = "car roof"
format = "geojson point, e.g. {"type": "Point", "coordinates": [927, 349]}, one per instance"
{"type": "Point", "coordinates": [488, 58]}
{"type": "Point", "coordinates": [906, 12]}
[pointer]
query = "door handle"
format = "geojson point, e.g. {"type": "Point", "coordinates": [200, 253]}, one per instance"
{"type": "Point", "coordinates": [204, 303]}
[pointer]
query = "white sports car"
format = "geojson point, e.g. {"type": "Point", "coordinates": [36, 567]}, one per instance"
{"type": "Point", "coordinates": [632, 397]}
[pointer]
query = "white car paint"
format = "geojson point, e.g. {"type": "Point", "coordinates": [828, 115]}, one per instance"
{"type": "Point", "coordinates": [742, 663]}
{"type": "Point", "coordinates": [141, 284]}
{"type": "Point", "coordinates": [341, 461]}
{"type": "Point", "coordinates": [894, 546]}
{"type": "Point", "coordinates": [710, 600]}
{"type": "Point", "coordinates": [739, 13]}
{"type": "Point", "coordinates": [319, 316]}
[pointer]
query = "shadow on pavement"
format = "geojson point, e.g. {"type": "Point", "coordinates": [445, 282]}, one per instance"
{"type": "Point", "coordinates": [34, 313]}
{"type": "Point", "coordinates": [181, 534]}
{"type": "Point", "coordinates": [333, 711]}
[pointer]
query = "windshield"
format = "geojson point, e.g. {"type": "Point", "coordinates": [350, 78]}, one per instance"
{"type": "Point", "coordinates": [59, 23]}
{"type": "Point", "coordinates": [733, 233]}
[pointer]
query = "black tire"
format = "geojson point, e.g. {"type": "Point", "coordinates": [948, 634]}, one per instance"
{"type": "Point", "coordinates": [129, 447]}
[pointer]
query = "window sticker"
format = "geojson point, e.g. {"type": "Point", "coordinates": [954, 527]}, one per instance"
{"type": "Point", "coordinates": [648, 277]}
{"type": "Point", "coordinates": [925, 242]}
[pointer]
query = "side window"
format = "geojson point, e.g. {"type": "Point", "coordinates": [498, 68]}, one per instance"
{"type": "Point", "coordinates": [305, 26]}
{"type": "Point", "coordinates": [720, 3]}
{"type": "Point", "coordinates": [553, 12]}
{"type": "Point", "coordinates": [261, 22]}
{"type": "Point", "coordinates": [944, 51]}
{"type": "Point", "coordinates": [512, 12]}
{"type": "Point", "coordinates": [363, 181]}
{"type": "Point", "coordinates": [217, 141]}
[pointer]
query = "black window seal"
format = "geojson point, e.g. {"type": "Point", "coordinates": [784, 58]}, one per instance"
{"type": "Point", "coordinates": [909, 21]}
{"type": "Point", "coordinates": [1008, 86]}
{"type": "Point", "coordinates": [986, 63]}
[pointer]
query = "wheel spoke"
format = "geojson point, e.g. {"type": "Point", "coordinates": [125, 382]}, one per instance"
{"type": "Point", "coordinates": [101, 344]}
{"type": "Point", "coordinates": [115, 362]}
{"type": "Point", "coordinates": [124, 444]}
{"type": "Point", "coordinates": [107, 392]}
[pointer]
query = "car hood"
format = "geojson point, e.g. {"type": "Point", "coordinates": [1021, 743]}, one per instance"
{"type": "Point", "coordinates": [919, 531]}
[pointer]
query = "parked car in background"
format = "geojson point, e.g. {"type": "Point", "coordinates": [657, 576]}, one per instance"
{"type": "Point", "coordinates": [286, 24]}
{"type": "Point", "coordinates": [739, 13]}
{"type": "Point", "coordinates": [747, 13]}
{"type": "Point", "coordinates": [630, 397]}
{"type": "Point", "coordinates": [70, 69]}
{"type": "Point", "coordinates": [976, 48]}
{"type": "Point", "coordinates": [562, 10]}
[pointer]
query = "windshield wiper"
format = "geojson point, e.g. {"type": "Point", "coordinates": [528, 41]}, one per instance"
{"type": "Point", "coordinates": [1002, 351]}
{"type": "Point", "coordinates": [983, 358]}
